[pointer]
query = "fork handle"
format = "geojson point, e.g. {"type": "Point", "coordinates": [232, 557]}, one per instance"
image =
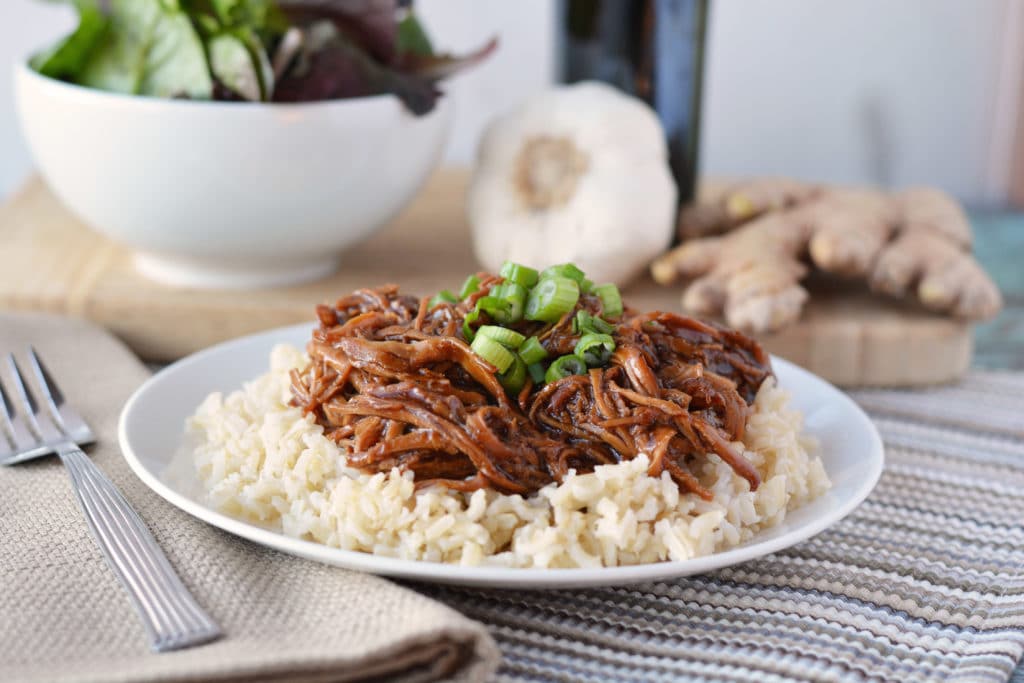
{"type": "Point", "coordinates": [170, 614]}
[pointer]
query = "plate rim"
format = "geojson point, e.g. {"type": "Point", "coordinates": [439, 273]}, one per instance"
{"type": "Point", "coordinates": [495, 577]}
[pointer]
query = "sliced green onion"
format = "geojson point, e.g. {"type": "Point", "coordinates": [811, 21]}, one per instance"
{"type": "Point", "coordinates": [536, 371]}
{"type": "Point", "coordinates": [510, 339]}
{"type": "Point", "coordinates": [601, 325]}
{"type": "Point", "coordinates": [581, 323]}
{"type": "Point", "coordinates": [444, 296]}
{"type": "Point", "coordinates": [595, 349]}
{"type": "Point", "coordinates": [552, 298]}
{"type": "Point", "coordinates": [467, 322]}
{"type": "Point", "coordinates": [565, 366]}
{"type": "Point", "coordinates": [492, 306]}
{"type": "Point", "coordinates": [587, 286]}
{"type": "Point", "coordinates": [519, 274]}
{"type": "Point", "coordinates": [611, 300]}
{"type": "Point", "coordinates": [514, 378]}
{"type": "Point", "coordinates": [568, 270]}
{"type": "Point", "coordinates": [493, 352]}
{"type": "Point", "coordinates": [532, 351]}
{"type": "Point", "coordinates": [470, 286]}
{"type": "Point", "coordinates": [514, 296]}
{"type": "Point", "coordinates": [584, 322]}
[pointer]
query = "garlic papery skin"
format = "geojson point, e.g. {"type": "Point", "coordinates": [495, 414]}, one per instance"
{"type": "Point", "coordinates": [576, 174]}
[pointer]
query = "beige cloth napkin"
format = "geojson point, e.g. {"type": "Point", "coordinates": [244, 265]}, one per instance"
{"type": "Point", "coordinates": [64, 616]}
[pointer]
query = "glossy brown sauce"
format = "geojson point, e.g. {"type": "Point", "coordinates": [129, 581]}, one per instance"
{"type": "Point", "coordinates": [395, 385]}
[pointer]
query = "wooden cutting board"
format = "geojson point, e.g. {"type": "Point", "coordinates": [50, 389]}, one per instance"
{"type": "Point", "coordinates": [49, 261]}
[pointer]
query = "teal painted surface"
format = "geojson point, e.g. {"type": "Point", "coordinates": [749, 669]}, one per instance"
{"type": "Point", "coordinates": [999, 245]}
{"type": "Point", "coordinates": [999, 344]}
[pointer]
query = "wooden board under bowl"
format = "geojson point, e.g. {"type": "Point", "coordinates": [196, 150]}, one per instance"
{"type": "Point", "coordinates": [49, 261]}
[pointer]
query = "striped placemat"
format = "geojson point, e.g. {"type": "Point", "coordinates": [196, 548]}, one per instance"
{"type": "Point", "coordinates": [923, 582]}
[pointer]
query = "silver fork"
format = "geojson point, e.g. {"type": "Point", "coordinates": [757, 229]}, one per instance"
{"type": "Point", "coordinates": [170, 614]}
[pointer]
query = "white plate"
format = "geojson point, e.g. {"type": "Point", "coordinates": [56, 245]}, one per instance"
{"type": "Point", "coordinates": [151, 432]}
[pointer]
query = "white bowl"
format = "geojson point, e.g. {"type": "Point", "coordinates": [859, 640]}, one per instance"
{"type": "Point", "coordinates": [228, 194]}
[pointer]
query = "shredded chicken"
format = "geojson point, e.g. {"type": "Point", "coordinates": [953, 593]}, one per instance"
{"type": "Point", "coordinates": [394, 383]}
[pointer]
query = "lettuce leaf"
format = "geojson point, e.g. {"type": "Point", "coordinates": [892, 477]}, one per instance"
{"type": "Point", "coordinates": [66, 59]}
{"type": "Point", "coordinates": [438, 66]}
{"type": "Point", "coordinates": [333, 66]}
{"type": "Point", "coordinates": [410, 37]}
{"type": "Point", "coordinates": [370, 24]}
{"type": "Point", "coordinates": [151, 48]}
{"type": "Point", "coordinates": [203, 49]}
{"type": "Point", "coordinates": [239, 62]}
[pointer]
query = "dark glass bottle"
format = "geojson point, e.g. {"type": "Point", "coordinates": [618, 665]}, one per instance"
{"type": "Point", "coordinates": [653, 49]}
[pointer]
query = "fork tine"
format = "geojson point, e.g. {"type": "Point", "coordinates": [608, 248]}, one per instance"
{"type": "Point", "coordinates": [69, 421]}
{"type": "Point", "coordinates": [6, 426]}
{"type": "Point", "coordinates": [5, 402]}
{"type": "Point", "coordinates": [28, 404]}
{"type": "Point", "coordinates": [43, 423]}
{"type": "Point", "coordinates": [18, 420]}
{"type": "Point", "coordinates": [47, 387]}
{"type": "Point", "coordinates": [8, 410]}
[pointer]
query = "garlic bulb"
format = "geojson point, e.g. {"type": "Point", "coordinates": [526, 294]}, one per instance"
{"type": "Point", "coordinates": [576, 174]}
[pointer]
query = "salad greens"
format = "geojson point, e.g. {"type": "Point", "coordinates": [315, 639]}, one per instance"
{"type": "Point", "coordinates": [256, 50]}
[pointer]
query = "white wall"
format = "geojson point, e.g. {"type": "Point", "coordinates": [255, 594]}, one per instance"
{"type": "Point", "coordinates": [866, 91]}
{"type": "Point", "coordinates": [25, 25]}
{"type": "Point", "coordinates": [525, 62]}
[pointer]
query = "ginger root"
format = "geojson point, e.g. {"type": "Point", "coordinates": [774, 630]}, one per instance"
{"type": "Point", "coordinates": [916, 241]}
{"type": "Point", "coordinates": [931, 255]}
{"type": "Point", "coordinates": [726, 207]}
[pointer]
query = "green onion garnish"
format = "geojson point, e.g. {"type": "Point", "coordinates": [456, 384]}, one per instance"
{"type": "Point", "coordinates": [565, 366]}
{"type": "Point", "coordinates": [581, 323]}
{"type": "Point", "coordinates": [553, 297]}
{"type": "Point", "coordinates": [493, 352]}
{"type": "Point", "coordinates": [584, 322]}
{"type": "Point", "coordinates": [601, 325]}
{"type": "Point", "coordinates": [467, 322]}
{"type": "Point", "coordinates": [514, 296]}
{"type": "Point", "coordinates": [444, 296]}
{"type": "Point", "coordinates": [544, 297]}
{"type": "Point", "coordinates": [532, 351]}
{"type": "Point", "coordinates": [519, 274]}
{"type": "Point", "coordinates": [510, 339]}
{"type": "Point", "coordinates": [470, 286]}
{"type": "Point", "coordinates": [595, 349]}
{"type": "Point", "coordinates": [499, 309]}
{"type": "Point", "coordinates": [568, 270]}
{"type": "Point", "coordinates": [514, 378]}
{"type": "Point", "coordinates": [611, 300]}
{"type": "Point", "coordinates": [536, 371]}
{"type": "Point", "coordinates": [492, 306]}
